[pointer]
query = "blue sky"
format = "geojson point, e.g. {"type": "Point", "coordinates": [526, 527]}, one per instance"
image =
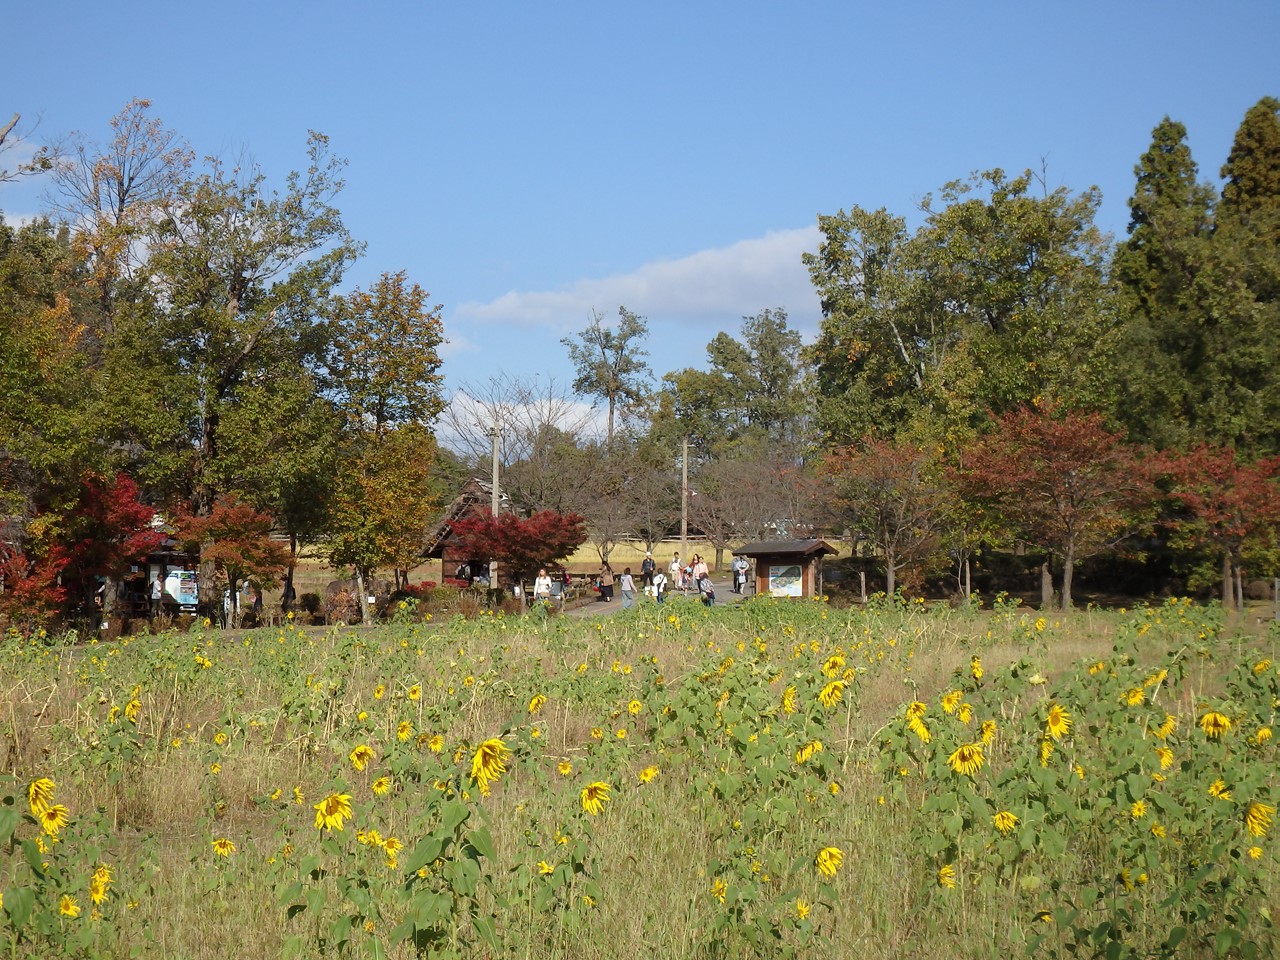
{"type": "Point", "coordinates": [528, 162]}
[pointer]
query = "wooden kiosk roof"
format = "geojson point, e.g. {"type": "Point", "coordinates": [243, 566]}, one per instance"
{"type": "Point", "coordinates": [785, 548]}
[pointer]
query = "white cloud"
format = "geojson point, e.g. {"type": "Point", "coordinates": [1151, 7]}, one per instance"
{"type": "Point", "coordinates": [711, 286]}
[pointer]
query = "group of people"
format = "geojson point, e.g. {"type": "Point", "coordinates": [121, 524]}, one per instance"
{"type": "Point", "coordinates": [694, 575]}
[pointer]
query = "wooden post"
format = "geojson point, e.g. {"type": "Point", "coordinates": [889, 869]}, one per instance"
{"type": "Point", "coordinates": [862, 581]}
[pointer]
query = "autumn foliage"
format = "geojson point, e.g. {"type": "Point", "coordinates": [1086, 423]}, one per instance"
{"type": "Point", "coordinates": [524, 544]}
{"type": "Point", "coordinates": [236, 538]}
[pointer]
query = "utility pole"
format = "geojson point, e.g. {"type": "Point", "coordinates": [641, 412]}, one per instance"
{"type": "Point", "coordinates": [684, 503]}
{"type": "Point", "coordinates": [493, 505]}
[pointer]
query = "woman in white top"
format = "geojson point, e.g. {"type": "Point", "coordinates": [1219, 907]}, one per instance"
{"type": "Point", "coordinates": [542, 586]}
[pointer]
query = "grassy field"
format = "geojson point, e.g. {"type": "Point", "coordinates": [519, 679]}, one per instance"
{"type": "Point", "coordinates": [775, 779]}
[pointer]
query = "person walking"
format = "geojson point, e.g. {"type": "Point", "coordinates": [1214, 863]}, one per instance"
{"type": "Point", "coordinates": [157, 594]}
{"type": "Point", "coordinates": [673, 572]}
{"type": "Point", "coordinates": [659, 585]}
{"type": "Point", "coordinates": [647, 567]}
{"type": "Point", "coordinates": [627, 585]}
{"type": "Point", "coordinates": [606, 582]}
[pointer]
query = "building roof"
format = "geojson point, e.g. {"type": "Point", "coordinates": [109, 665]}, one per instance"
{"type": "Point", "coordinates": [785, 548]}
{"type": "Point", "coordinates": [476, 493]}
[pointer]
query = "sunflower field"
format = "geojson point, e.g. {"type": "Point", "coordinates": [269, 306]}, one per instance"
{"type": "Point", "coordinates": [775, 779]}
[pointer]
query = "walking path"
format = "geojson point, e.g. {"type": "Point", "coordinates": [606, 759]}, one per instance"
{"type": "Point", "coordinates": [595, 608]}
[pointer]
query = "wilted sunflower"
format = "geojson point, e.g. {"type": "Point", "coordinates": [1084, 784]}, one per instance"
{"type": "Point", "coordinates": [832, 694]}
{"type": "Point", "coordinates": [975, 668]}
{"type": "Point", "coordinates": [1136, 697]}
{"type": "Point", "coordinates": [833, 665]}
{"type": "Point", "coordinates": [988, 731]}
{"type": "Point", "coordinates": [382, 785]}
{"type": "Point", "coordinates": [1262, 736]}
{"type": "Point", "coordinates": [545, 869]}
{"type": "Point", "coordinates": [828, 861]}
{"type": "Point", "coordinates": [789, 700]}
{"type": "Point", "coordinates": [1262, 666]}
{"type": "Point", "coordinates": [1219, 789]}
{"type": "Point", "coordinates": [947, 876]}
{"type": "Point", "coordinates": [1057, 723]}
{"type": "Point", "coordinates": [1166, 729]}
{"type": "Point", "coordinates": [54, 818]}
{"type": "Point", "coordinates": [1215, 724]}
{"type": "Point", "coordinates": [332, 810]}
{"type": "Point", "coordinates": [132, 709]}
{"type": "Point", "coordinates": [967, 759]}
{"type": "Point", "coordinates": [361, 756]}
{"type": "Point", "coordinates": [594, 797]}
{"type": "Point", "coordinates": [1166, 757]}
{"type": "Point", "coordinates": [223, 847]}
{"type": "Point", "coordinates": [489, 763]}
{"type": "Point", "coordinates": [40, 795]}
{"type": "Point", "coordinates": [1258, 818]}
{"type": "Point", "coordinates": [1005, 821]}
{"type": "Point", "coordinates": [1046, 751]}
{"type": "Point", "coordinates": [807, 752]}
{"type": "Point", "coordinates": [537, 703]}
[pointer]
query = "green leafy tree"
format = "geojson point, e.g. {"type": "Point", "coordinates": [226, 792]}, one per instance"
{"type": "Point", "coordinates": [997, 299]}
{"type": "Point", "coordinates": [610, 362]}
{"type": "Point", "coordinates": [387, 383]}
{"type": "Point", "coordinates": [1157, 270]}
{"type": "Point", "coordinates": [755, 391]}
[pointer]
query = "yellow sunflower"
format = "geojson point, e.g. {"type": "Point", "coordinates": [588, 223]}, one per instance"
{"type": "Point", "coordinates": [789, 700]}
{"type": "Point", "coordinates": [537, 703]}
{"type": "Point", "coordinates": [68, 906]}
{"type": "Point", "coordinates": [1166, 729]}
{"type": "Point", "coordinates": [975, 668]}
{"type": "Point", "coordinates": [833, 665]}
{"type": "Point", "coordinates": [404, 730]}
{"type": "Point", "coordinates": [361, 756]}
{"type": "Point", "coordinates": [40, 795]}
{"type": "Point", "coordinates": [436, 743]}
{"type": "Point", "coordinates": [807, 752]}
{"type": "Point", "coordinates": [1219, 789]}
{"type": "Point", "coordinates": [1258, 818]}
{"type": "Point", "coordinates": [382, 785]}
{"type": "Point", "coordinates": [332, 811]}
{"type": "Point", "coordinates": [967, 759]}
{"type": "Point", "coordinates": [1215, 724]}
{"type": "Point", "coordinates": [594, 797]}
{"type": "Point", "coordinates": [565, 768]}
{"type": "Point", "coordinates": [828, 861]}
{"type": "Point", "coordinates": [988, 731]}
{"type": "Point", "coordinates": [952, 700]}
{"type": "Point", "coordinates": [947, 876]}
{"type": "Point", "coordinates": [54, 818]}
{"type": "Point", "coordinates": [832, 694]}
{"type": "Point", "coordinates": [1005, 821]}
{"type": "Point", "coordinates": [1057, 722]}
{"type": "Point", "coordinates": [634, 707]}
{"type": "Point", "coordinates": [223, 847]}
{"type": "Point", "coordinates": [489, 763]}
{"type": "Point", "coordinates": [648, 774]}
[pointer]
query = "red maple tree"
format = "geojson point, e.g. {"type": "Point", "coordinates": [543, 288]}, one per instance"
{"type": "Point", "coordinates": [522, 543]}
{"type": "Point", "coordinates": [236, 539]}
{"type": "Point", "coordinates": [1063, 482]}
{"type": "Point", "coordinates": [1231, 503]}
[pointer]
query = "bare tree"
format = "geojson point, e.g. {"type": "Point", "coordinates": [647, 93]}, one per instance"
{"type": "Point", "coordinates": [541, 431]}
{"type": "Point", "coordinates": [15, 142]}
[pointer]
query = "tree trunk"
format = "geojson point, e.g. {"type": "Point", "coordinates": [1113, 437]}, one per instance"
{"type": "Point", "coordinates": [1228, 588]}
{"type": "Point", "coordinates": [968, 578]}
{"type": "Point", "coordinates": [890, 579]}
{"type": "Point", "coordinates": [364, 596]}
{"type": "Point", "coordinates": [1068, 570]}
{"type": "Point", "coordinates": [719, 557]}
{"type": "Point", "coordinates": [1046, 585]}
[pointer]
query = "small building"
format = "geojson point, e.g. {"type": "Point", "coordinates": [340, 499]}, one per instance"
{"type": "Point", "coordinates": [787, 568]}
{"type": "Point", "coordinates": [475, 499]}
